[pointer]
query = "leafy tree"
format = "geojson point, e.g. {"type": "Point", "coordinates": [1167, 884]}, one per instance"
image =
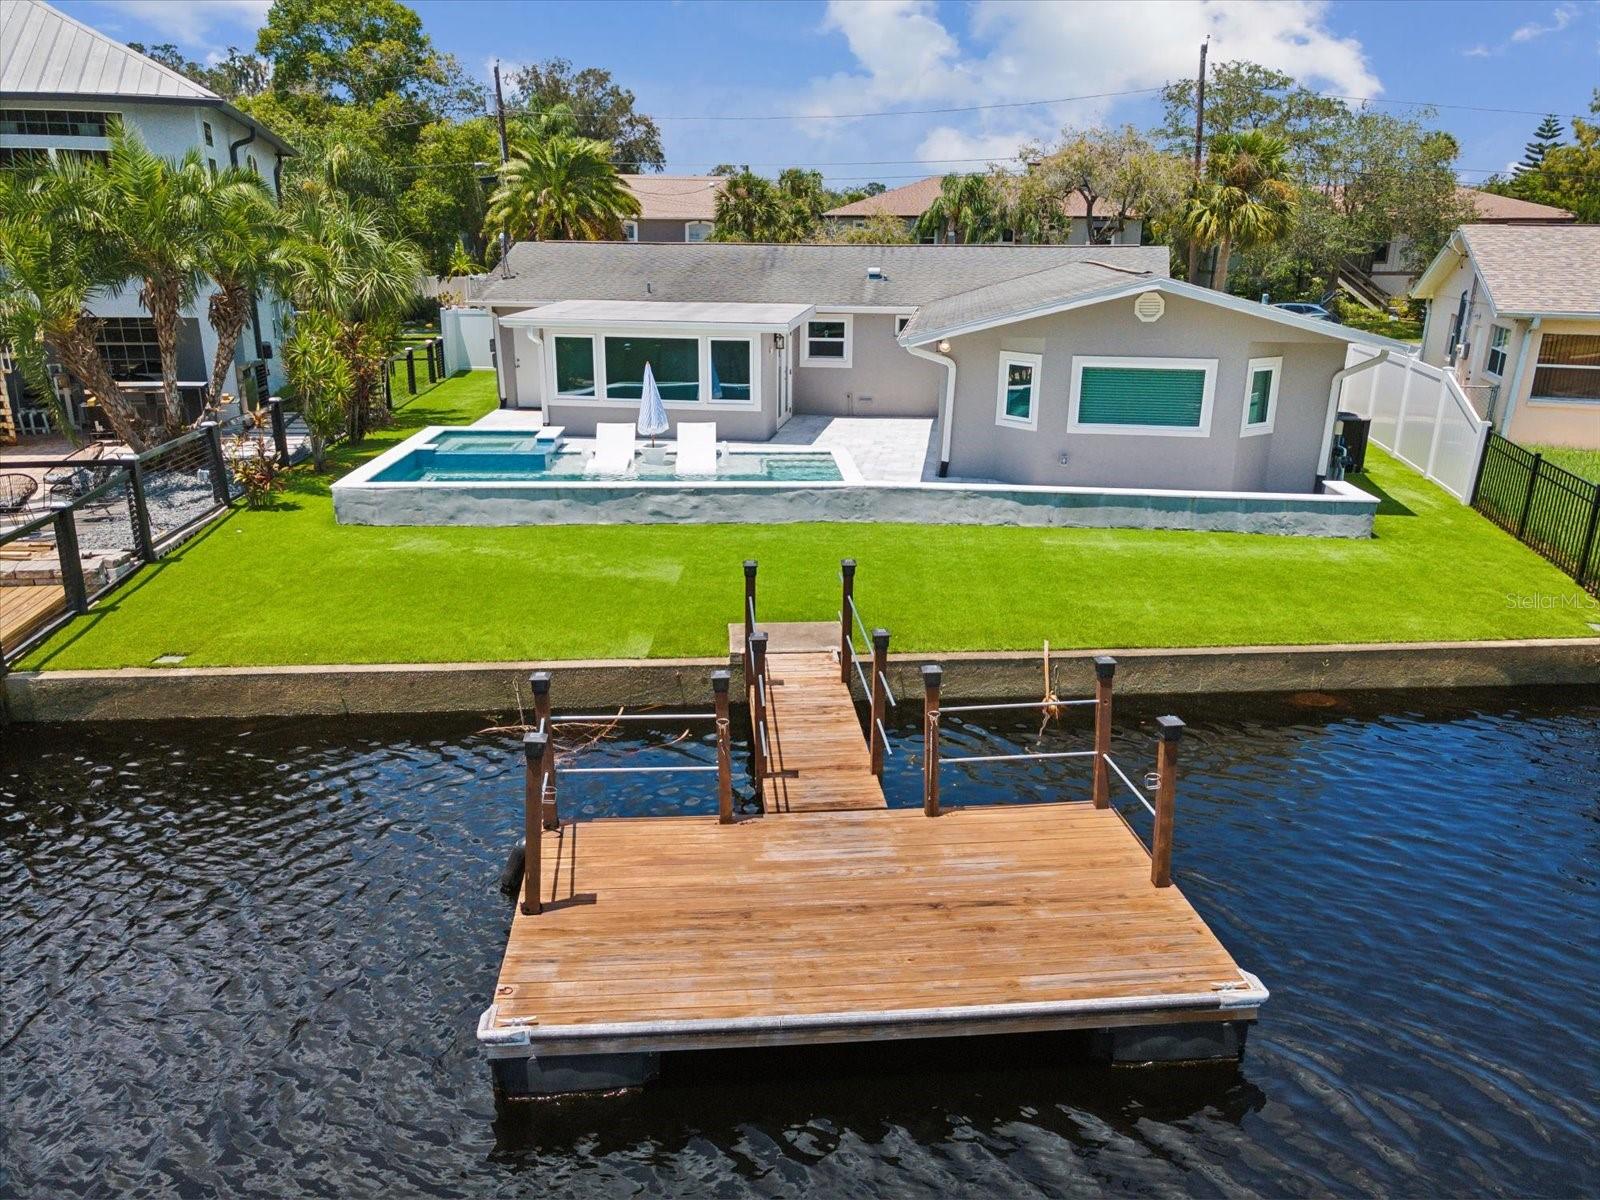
{"type": "Point", "coordinates": [1118, 174]}
{"type": "Point", "coordinates": [319, 378]}
{"type": "Point", "coordinates": [802, 200]}
{"type": "Point", "coordinates": [1568, 175]}
{"type": "Point", "coordinates": [447, 199]}
{"type": "Point", "coordinates": [362, 52]}
{"type": "Point", "coordinates": [53, 262]}
{"type": "Point", "coordinates": [726, 169]}
{"type": "Point", "coordinates": [1245, 96]}
{"type": "Point", "coordinates": [968, 208]}
{"type": "Point", "coordinates": [601, 110]}
{"type": "Point", "coordinates": [880, 229]}
{"type": "Point", "coordinates": [1545, 139]}
{"type": "Point", "coordinates": [562, 188]}
{"type": "Point", "coordinates": [1244, 200]}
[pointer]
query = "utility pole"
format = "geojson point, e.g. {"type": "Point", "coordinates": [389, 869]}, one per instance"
{"type": "Point", "coordinates": [1199, 147]}
{"type": "Point", "coordinates": [505, 154]}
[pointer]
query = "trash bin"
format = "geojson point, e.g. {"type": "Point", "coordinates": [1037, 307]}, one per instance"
{"type": "Point", "coordinates": [1355, 430]}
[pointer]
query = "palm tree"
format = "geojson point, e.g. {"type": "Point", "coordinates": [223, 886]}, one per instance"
{"type": "Point", "coordinates": [965, 210]}
{"type": "Point", "coordinates": [1245, 200]}
{"type": "Point", "coordinates": [338, 258]}
{"type": "Point", "coordinates": [748, 209]}
{"type": "Point", "coordinates": [242, 229]}
{"type": "Point", "coordinates": [53, 260]}
{"type": "Point", "coordinates": [563, 188]}
{"type": "Point", "coordinates": [153, 210]}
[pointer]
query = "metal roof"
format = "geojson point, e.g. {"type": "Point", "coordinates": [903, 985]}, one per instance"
{"type": "Point", "coordinates": [904, 276]}
{"type": "Point", "coordinates": [47, 55]}
{"type": "Point", "coordinates": [611, 314]}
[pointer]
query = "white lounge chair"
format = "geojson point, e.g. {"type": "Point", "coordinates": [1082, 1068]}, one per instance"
{"type": "Point", "coordinates": [613, 449]}
{"type": "Point", "coordinates": [697, 448]}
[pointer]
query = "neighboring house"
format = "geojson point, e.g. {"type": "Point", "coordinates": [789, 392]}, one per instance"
{"type": "Point", "coordinates": [1516, 310]}
{"type": "Point", "coordinates": [1386, 273]}
{"type": "Point", "coordinates": [911, 201]}
{"type": "Point", "coordinates": [63, 87]}
{"type": "Point", "coordinates": [673, 208]}
{"type": "Point", "coordinates": [1058, 365]}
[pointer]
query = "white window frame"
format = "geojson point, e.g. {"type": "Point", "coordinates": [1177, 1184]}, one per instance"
{"type": "Point", "coordinates": [595, 361]}
{"type": "Point", "coordinates": [596, 339]}
{"type": "Point", "coordinates": [630, 231]}
{"type": "Point", "coordinates": [689, 226]}
{"type": "Point", "coordinates": [832, 319]}
{"type": "Point", "coordinates": [1207, 400]}
{"type": "Point", "coordinates": [900, 324]}
{"type": "Point", "coordinates": [1001, 417]}
{"type": "Point", "coordinates": [1275, 365]}
{"type": "Point", "coordinates": [1490, 348]}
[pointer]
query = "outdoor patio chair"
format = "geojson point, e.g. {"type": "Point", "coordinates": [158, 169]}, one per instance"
{"type": "Point", "coordinates": [613, 452]}
{"type": "Point", "coordinates": [697, 448]}
{"type": "Point", "coordinates": [16, 489]}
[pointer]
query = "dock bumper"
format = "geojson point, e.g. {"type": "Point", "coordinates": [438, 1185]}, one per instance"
{"type": "Point", "coordinates": [534, 1060]}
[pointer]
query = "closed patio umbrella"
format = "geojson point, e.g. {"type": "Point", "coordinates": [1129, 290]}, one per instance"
{"type": "Point", "coordinates": [652, 412]}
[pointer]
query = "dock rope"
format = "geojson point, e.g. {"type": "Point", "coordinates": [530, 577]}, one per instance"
{"type": "Point", "coordinates": [1051, 710]}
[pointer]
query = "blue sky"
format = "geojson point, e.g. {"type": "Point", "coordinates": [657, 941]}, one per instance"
{"type": "Point", "coordinates": [802, 60]}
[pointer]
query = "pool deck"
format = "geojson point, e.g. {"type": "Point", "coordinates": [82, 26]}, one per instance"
{"type": "Point", "coordinates": [833, 918]}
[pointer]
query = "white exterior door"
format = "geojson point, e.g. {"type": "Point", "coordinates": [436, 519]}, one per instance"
{"type": "Point", "coordinates": [530, 369]}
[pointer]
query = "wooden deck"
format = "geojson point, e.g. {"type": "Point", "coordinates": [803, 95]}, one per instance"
{"type": "Point", "coordinates": [820, 759]}
{"type": "Point", "coordinates": [854, 925]}
{"type": "Point", "coordinates": [24, 608]}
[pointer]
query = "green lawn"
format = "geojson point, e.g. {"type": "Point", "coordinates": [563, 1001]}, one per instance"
{"type": "Point", "coordinates": [291, 586]}
{"type": "Point", "coordinates": [1579, 462]}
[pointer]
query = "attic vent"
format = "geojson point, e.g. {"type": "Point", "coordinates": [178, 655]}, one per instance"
{"type": "Point", "coordinates": [874, 272]}
{"type": "Point", "coordinates": [1149, 307]}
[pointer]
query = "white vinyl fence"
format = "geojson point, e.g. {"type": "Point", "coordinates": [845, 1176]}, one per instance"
{"type": "Point", "coordinates": [1421, 416]}
{"type": "Point", "coordinates": [467, 333]}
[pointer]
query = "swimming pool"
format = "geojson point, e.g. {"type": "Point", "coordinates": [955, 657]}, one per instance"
{"type": "Point", "coordinates": [533, 456]}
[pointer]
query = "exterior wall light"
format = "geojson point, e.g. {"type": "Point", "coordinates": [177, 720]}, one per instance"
{"type": "Point", "coordinates": [944, 346]}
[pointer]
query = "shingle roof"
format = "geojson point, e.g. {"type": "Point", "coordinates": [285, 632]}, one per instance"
{"type": "Point", "coordinates": [1021, 294]}
{"type": "Point", "coordinates": [675, 197]}
{"type": "Point", "coordinates": [799, 273]}
{"type": "Point", "coordinates": [1536, 269]}
{"type": "Point", "coordinates": [1491, 207]}
{"type": "Point", "coordinates": [46, 53]}
{"type": "Point", "coordinates": [913, 199]}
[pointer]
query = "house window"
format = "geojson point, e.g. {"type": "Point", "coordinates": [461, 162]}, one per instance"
{"type": "Point", "coordinates": [730, 370]}
{"type": "Point", "coordinates": [697, 231]}
{"type": "Point", "coordinates": [575, 366]}
{"type": "Point", "coordinates": [1261, 395]}
{"type": "Point", "coordinates": [50, 122]}
{"type": "Point", "coordinates": [675, 363]}
{"type": "Point", "coordinates": [1494, 361]}
{"type": "Point", "coordinates": [205, 128]}
{"type": "Point", "coordinates": [1568, 368]}
{"type": "Point", "coordinates": [630, 231]}
{"type": "Point", "coordinates": [1016, 403]}
{"type": "Point", "coordinates": [211, 163]}
{"type": "Point", "coordinates": [828, 342]}
{"type": "Point", "coordinates": [1165, 396]}
{"type": "Point", "coordinates": [130, 347]}
{"type": "Point", "coordinates": [77, 154]}
{"type": "Point", "coordinates": [21, 157]}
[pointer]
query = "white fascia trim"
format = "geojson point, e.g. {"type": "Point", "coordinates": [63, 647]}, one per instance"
{"type": "Point", "coordinates": [1454, 249]}
{"type": "Point", "coordinates": [1553, 316]}
{"type": "Point", "coordinates": [1172, 287]}
{"type": "Point", "coordinates": [1275, 365]}
{"type": "Point", "coordinates": [1147, 363]}
{"type": "Point", "coordinates": [900, 310]}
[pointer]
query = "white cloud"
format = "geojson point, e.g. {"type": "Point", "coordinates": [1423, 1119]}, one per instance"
{"type": "Point", "coordinates": [1033, 49]}
{"type": "Point", "coordinates": [195, 25]}
{"type": "Point", "coordinates": [1560, 17]}
{"type": "Point", "coordinates": [1476, 52]}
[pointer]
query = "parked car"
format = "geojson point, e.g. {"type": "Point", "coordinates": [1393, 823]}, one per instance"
{"type": "Point", "coordinates": [1309, 310]}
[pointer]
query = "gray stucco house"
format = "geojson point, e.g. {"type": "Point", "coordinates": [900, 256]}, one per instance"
{"type": "Point", "coordinates": [1063, 366]}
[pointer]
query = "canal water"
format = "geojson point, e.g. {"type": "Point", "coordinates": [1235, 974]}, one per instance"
{"type": "Point", "coordinates": [247, 960]}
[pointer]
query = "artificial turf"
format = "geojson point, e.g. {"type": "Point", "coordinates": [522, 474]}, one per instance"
{"type": "Point", "coordinates": [291, 585]}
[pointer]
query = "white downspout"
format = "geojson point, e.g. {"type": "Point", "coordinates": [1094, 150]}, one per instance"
{"type": "Point", "coordinates": [1333, 408]}
{"type": "Point", "coordinates": [1516, 376]}
{"type": "Point", "coordinates": [947, 407]}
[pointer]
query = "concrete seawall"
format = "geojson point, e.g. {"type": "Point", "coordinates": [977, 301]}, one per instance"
{"type": "Point", "coordinates": [500, 688]}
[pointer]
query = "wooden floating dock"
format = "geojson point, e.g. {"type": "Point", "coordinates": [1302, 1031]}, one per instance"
{"type": "Point", "coordinates": [833, 918]}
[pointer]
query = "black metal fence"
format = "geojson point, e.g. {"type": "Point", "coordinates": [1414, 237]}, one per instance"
{"type": "Point", "coordinates": [416, 369]}
{"type": "Point", "coordinates": [1548, 507]}
{"type": "Point", "coordinates": [93, 522]}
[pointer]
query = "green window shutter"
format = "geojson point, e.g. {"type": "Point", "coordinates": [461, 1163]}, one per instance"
{"type": "Point", "coordinates": [1260, 396]}
{"type": "Point", "coordinates": [1166, 396]}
